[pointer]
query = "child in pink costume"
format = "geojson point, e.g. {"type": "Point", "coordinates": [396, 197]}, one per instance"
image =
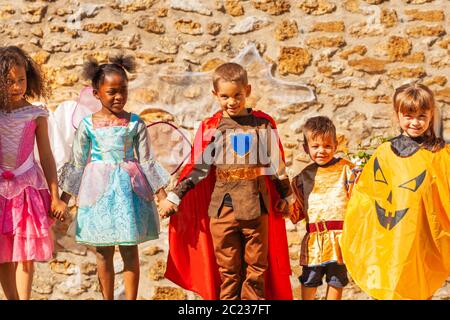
{"type": "Point", "coordinates": [25, 198]}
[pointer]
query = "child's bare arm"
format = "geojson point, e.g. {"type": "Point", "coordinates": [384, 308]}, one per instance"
{"type": "Point", "coordinates": [58, 207]}
{"type": "Point", "coordinates": [46, 156]}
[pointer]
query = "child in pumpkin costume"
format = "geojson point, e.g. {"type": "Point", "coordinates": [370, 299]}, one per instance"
{"type": "Point", "coordinates": [396, 238]}
{"type": "Point", "coordinates": [243, 233]}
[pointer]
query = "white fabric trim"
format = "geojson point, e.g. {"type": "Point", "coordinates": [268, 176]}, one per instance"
{"type": "Point", "coordinates": [172, 197]}
{"type": "Point", "coordinates": [24, 167]}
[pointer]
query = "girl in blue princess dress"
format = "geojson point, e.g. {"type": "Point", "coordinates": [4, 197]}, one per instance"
{"type": "Point", "coordinates": [114, 177]}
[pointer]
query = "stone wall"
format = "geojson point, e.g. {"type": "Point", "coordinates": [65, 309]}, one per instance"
{"type": "Point", "coordinates": [351, 54]}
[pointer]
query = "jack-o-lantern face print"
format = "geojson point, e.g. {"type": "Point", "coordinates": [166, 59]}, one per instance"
{"type": "Point", "coordinates": [389, 215]}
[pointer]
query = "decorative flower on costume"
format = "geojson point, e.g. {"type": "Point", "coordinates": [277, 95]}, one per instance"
{"type": "Point", "coordinates": [8, 175]}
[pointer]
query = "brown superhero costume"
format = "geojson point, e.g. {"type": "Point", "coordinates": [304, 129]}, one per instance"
{"type": "Point", "coordinates": [239, 201]}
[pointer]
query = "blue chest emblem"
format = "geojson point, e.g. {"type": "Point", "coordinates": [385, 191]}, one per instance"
{"type": "Point", "coordinates": [241, 143]}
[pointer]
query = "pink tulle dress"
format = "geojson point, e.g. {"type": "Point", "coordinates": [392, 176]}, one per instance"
{"type": "Point", "coordinates": [24, 197]}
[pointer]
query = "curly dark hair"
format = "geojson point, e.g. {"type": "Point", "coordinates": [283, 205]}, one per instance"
{"type": "Point", "coordinates": [96, 72]}
{"type": "Point", "coordinates": [36, 85]}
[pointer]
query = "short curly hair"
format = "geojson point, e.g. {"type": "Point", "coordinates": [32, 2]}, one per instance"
{"type": "Point", "coordinates": [232, 72]}
{"type": "Point", "coordinates": [319, 126]}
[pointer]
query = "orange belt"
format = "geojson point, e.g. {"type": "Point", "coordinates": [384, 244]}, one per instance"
{"type": "Point", "coordinates": [239, 173]}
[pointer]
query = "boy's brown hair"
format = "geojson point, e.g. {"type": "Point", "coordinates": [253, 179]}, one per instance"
{"type": "Point", "coordinates": [231, 72]}
{"type": "Point", "coordinates": [318, 127]}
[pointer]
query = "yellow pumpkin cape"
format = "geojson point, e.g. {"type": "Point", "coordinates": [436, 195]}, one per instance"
{"type": "Point", "coordinates": [396, 237]}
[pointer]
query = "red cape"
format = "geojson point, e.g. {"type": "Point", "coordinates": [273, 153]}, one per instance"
{"type": "Point", "coordinates": [191, 263]}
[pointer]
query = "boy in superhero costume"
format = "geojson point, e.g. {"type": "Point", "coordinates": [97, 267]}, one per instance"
{"type": "Point", "coordinates": [228, 239]}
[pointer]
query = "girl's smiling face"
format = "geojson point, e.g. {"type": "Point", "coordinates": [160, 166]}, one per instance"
{"type": "Point", "coordinates": [113, 92]}
{"type": "Point", "coordinates": [415, 124]}
{"type": "Point", "coordinates": [17, 85]}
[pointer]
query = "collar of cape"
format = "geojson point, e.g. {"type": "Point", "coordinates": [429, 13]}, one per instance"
{"type": "Point", "coordinates": [405, 146]}
{"type": "Point", "coordinates": [206, 131]}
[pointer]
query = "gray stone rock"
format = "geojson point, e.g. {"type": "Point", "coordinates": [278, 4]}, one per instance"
{"type": "Point", "coordinates": [191, 6]}
{"type": "Point", "coordinates": [249, 24]}
{"type": "Point", "coordinates": [199, 48]}
{"type": "Point", "coordinates": [168, 45]}
{"type": "Point", "coordinates": [118, 265]}
{"type": "Point", "coordinates": [119, 291]}
{"type": "Point", "coordinates": [56, 45]}
{"type": "Point", "coordinates": [42, 286]}
{"type": "Point", "coordinates": [86, 10]}
{"type": "Point", "coordinates": [70, 245]}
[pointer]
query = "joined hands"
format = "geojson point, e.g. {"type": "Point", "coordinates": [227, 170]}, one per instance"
{"type": "Point", "coordinates": [166, 208]}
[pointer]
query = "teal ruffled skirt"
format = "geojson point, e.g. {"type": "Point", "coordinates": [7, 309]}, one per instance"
{"type": "Point", "coordinates": [119, 217]}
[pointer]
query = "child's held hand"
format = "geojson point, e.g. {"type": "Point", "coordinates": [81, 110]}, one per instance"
{"type": "Point", "coordinates": [166, 208]}
{"type": "Point", "coordinates": [296, 212]}
{"type": "Point", "coordinates": [58, 209]}
{"type": "Point", "coordinates": [282, 206]}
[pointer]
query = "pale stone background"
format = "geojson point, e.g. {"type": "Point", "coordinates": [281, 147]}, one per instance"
{"type": "Point", "coordinates": [351, 54]}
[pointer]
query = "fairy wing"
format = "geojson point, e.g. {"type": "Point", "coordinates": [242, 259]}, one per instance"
{"type": "Point", "coordinates": [170, 144]}
{"type": "Point", "coordinates": [61, 132]}
{"type": "Point", "coordinates": [64, 121]}
{"type": "Point", "coordinates": [86, 105]}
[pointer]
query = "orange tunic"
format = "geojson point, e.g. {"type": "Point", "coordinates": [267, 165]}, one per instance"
{"type": "Point", "coordinates": [326, 191]}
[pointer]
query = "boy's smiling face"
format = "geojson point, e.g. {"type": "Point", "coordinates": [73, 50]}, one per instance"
{"type": "Point", "coordinates": [321, 148]}
{"type": "Point", "coordinates": [232, 96]}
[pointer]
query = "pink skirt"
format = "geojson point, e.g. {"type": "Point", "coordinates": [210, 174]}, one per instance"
{"type": "Point", "coordinates": [25, 227]}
